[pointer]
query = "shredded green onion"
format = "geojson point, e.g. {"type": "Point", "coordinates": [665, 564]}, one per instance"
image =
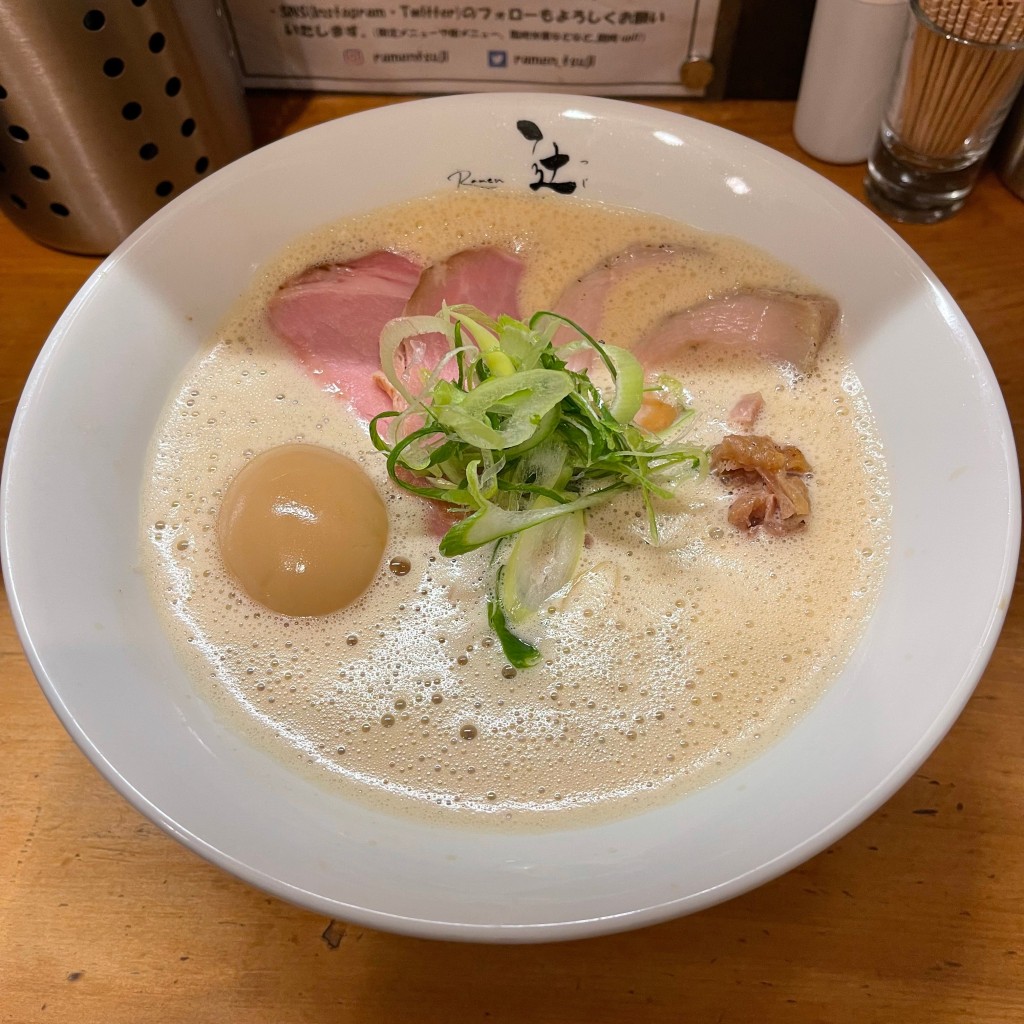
{"type": "Point", "coordinates": [523, 445]}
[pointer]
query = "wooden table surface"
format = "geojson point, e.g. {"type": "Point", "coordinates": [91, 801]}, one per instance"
{"type": "Point", "coordinates": [917, 915]}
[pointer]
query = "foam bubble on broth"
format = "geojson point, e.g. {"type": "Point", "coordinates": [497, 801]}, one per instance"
{"type": "Point", "coordinates": [661, 669]}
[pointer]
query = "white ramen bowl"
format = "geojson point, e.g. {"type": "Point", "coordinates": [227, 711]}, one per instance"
{"type": "Point", "coordinates": [77, 453]}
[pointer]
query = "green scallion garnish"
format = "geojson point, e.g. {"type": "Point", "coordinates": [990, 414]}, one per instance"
{"type": "Point", "coordinates": [523, 445]}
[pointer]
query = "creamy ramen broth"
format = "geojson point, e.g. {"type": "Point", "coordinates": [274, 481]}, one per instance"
{"type": "Point", "coordinates": [662, 667]}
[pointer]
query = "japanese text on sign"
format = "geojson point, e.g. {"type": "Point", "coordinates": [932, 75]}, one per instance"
{"type": "Point", "coordinates": [629, 47]}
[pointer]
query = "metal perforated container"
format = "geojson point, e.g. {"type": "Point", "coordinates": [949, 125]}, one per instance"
{"type": "Point", "coordinates": [109, 109]}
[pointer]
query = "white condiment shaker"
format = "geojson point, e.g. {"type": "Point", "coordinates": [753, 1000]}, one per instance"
{"type": "Point", "coordinates": [852, 54]}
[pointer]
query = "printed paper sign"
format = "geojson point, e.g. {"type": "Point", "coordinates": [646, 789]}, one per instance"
{"type": "Point", "coordinates": [634, 47]}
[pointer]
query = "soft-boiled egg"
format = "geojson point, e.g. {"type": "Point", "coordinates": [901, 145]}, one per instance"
{"type": "Point", "coordinates": [302, 529]}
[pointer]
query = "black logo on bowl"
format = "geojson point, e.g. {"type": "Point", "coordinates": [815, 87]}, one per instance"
{"type": "Point", "coordinates": [546, 167]}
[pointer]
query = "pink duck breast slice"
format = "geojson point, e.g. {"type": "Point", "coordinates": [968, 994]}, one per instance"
{"type": "Point", "coordinates": [331, 318]}
{"type": "Point", "coordinates": [487, 278]}
{"type": "Point", "coordinates": [779, 326]}
{"type": "Point", "coordinates": [583, 301]}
